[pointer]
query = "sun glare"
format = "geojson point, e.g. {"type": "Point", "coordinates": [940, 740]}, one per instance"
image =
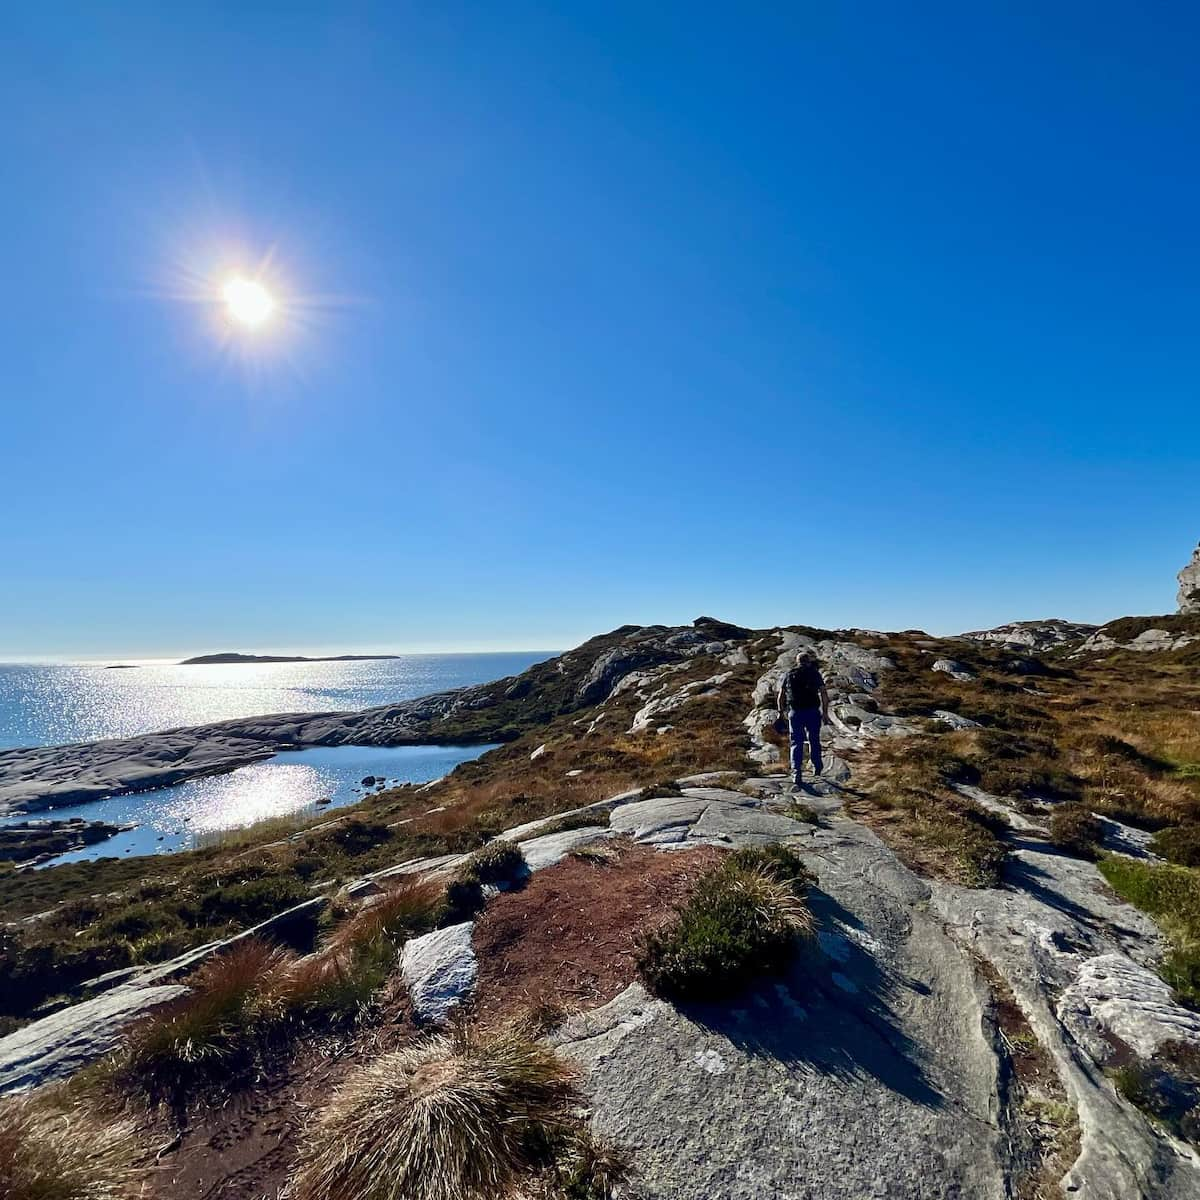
{"type": "Point", "coordinates": [247, 302]}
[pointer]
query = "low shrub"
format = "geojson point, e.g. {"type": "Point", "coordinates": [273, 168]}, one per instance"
{"type": "Point", "coordinates": [1075, 829]}
{"type": "Point", "coordinates": [357, 836]}
{"type": "Point", "coordinates": [61, 1153]}
{"type": "Point", "coordinates": [802, 812]}
{"type": "Point", "coordinates": [463, 899]}
{"type": "Point", "coordinates": [1179, 844]}
{"type": "Point", "coordinates": [497, 862]}
{"type": "Point", "coordinates": [469, 1116]}
{"type": "Point", "coordinates": [253, 900]}
{"type": "Point", "coordinates": [743, 919]}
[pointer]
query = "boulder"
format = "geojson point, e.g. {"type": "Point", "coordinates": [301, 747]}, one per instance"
{"type": "Point", "coordinates": [1189, 585]}
{"type": "Point", "coordinates": [954, 669]}
{"type": "Point", "coordinates": [439, 970]}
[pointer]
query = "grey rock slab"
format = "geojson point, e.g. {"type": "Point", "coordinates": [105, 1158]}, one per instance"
{"type": "Point", "coordinates": [707, 779]}
{"type": "Point", "coordinates": [1052, 916]}
{"type": "Point", "coordinates": [57, 1046]}
{"type": "Point", "coordinates": [742, 826]}
{"type": "Point", "coordinates": [1125, 839]}
{"type": "Point", "coordinates": [1112, 996]}
{"type": "Point", "coordinates": [865, 1072]}
{"type": "Point", "coordinates": [837, 769]}
{"type": "Point", "coordinates": [955, 721]}
{"type": "Point", "coordinates": [662, 819]}
{"type": "Point", "coordinates": [954, 669]}
{"type": "Point", "coordinates": [551, 848]}
{"type": "Point", "coordinates": [439, 970]}
{"type": "Point", "coordinates": [1002, 808]}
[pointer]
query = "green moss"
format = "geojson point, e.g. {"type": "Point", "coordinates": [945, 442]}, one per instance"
{"type": "Point", "coordinates": [1171, 895]}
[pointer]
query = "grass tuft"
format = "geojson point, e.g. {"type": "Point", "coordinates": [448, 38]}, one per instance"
{"type": "Point", "coordinates": [232, 996]}
{"type": "Point", "coordinates": [61, 1153]}
{"type": "Point", "coordinates": [467, 1116]}
{"type": "Point", "coordinates": [743, 919]}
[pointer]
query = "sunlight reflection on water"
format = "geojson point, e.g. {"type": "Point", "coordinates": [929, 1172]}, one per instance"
{"type": "Point", "coordinates": [42, 705]}
{"type": "Point", "coordinates": [291, 783]}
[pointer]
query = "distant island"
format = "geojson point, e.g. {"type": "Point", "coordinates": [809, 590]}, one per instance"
{"type": "Point", "coordinates": [210, 659]}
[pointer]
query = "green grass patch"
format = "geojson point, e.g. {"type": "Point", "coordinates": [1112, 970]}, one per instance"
{"type": "Point", "coordinates": [1171, 895]}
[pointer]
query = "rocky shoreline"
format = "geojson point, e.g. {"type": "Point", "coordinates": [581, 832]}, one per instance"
{"type": "Point", "coordinates": [40, 777]}
{"type": "Point", "coordinates": [26, 843]}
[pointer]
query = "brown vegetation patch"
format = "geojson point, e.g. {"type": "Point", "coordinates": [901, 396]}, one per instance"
{"type": "Point", "coordinates": [1041, 1122]}
{"type": "Point", "coordinates": [568, 940]}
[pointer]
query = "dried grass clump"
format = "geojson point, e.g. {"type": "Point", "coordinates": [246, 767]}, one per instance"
{"type": "Point", "coordinates": [410, 906]}
{"type": "Point", "coordinates": [61, 1153]}
{"type": "Point", "coordinates": [232, 996]}
{"type": "Point", "coordinates": [469, 1116]}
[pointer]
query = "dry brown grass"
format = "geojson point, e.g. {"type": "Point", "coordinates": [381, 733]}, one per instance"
{"type": "Point", "coordinates": [409, 906]}
{"type": "Point", "coordinates": [231, 996]}
{"type": "Point", "coordinates": [53, 1152]}
{"type": "Point", "coordinates": [931, 827]}
{"type": "Point", "coordinates": [469, 1116]}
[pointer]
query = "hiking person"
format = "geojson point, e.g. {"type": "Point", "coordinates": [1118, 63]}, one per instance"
{"type": "Point", "coordinates": [802, 696]}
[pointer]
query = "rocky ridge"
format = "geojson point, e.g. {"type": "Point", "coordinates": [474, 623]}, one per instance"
{"type": "Point", "coordinates": [880, 1064]}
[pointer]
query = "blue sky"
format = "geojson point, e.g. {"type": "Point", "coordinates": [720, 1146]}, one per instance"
{"type": "Point", "coordinates": [870, 315]}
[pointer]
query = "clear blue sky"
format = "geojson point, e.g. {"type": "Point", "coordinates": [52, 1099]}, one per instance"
{"type": "Point", "coordinates": [879, 315]}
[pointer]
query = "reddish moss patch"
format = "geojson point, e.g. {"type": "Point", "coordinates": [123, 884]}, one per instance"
{"type": "Point", "coordinates": [569, 937]}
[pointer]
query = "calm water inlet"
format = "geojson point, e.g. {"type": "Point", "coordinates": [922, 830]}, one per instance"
{"type": "Point", "coordinates": [294, 782]}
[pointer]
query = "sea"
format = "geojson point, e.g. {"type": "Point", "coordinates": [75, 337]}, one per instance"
{"type": "Point", "coordinates": [52, 704]}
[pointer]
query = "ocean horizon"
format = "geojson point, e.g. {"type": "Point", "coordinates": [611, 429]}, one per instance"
{"type": "Point", "coordinates": [45, 704]}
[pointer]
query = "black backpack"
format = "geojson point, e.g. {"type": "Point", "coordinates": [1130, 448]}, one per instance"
{"type": "Point", "coordinates": [802, 688]}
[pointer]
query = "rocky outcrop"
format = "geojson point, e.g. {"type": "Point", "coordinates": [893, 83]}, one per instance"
{"type": "Point", "coordinates": [1148, 641]}
{"type": "Point", "coordinates": [1189, 585]}
{"type": "Point", "coordinates": [1034, 635]}
{"type": "Point", "coordinates": [59, 1045]}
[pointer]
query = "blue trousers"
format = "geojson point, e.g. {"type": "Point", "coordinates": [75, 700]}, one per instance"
{"type": "Point", "coordinates": [802, 723]}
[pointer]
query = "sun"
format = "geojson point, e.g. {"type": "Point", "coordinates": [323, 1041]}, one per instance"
{"type": "Point", "coordinates": [247, 302]}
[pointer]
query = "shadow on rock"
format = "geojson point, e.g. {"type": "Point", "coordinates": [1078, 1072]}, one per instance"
{"type": "Point", "coordinates": [830, 1014]}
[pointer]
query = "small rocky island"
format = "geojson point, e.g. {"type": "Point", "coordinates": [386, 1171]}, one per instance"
{"type": "Point", "coordinates": [208, 660]}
